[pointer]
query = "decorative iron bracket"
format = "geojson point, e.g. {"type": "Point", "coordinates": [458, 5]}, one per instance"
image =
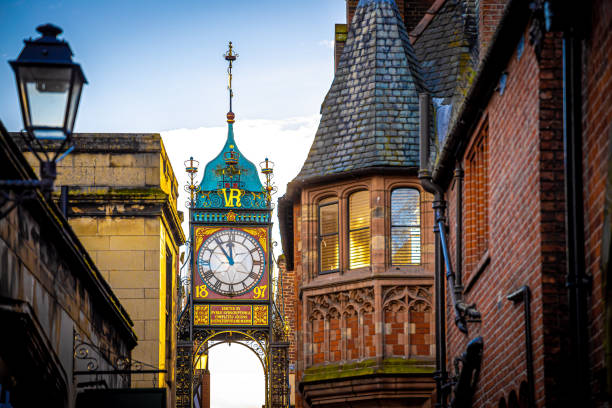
{"type": "Point", "coordinates": [121, 365]}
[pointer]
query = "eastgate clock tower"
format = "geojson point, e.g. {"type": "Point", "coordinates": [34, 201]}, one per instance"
{"type": "Point", "coordinates": [231, 269]}
{"type": "Point", "coordinates": [230, 229]}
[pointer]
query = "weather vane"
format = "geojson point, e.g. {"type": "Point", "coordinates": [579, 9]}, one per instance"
{"type": "Point", "coordinates": [230, 56]}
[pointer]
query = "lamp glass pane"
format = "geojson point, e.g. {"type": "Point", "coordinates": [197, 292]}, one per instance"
{"type": "Point", "coordinates": [74, 101]}
{"type": "Point", "coordinates": [47, 90]}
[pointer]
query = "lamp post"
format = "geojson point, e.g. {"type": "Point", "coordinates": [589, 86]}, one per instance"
{"type": "Point", "coordinates": [49, 84]}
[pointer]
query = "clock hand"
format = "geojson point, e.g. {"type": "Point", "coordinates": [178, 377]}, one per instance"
{"type": "Point", "coordinates": [229, 258]}
{"type": "Point", "coordinates": [230, 246]}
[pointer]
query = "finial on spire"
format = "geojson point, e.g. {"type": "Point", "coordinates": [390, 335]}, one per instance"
{"type": "Point", "coordinates": [230, 56]}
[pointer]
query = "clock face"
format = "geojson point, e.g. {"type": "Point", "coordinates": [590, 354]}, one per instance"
{"type": "Point", "coordinates": [231, 262]}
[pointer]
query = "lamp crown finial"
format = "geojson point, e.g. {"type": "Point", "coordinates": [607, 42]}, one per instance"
{"type": "Point", "coordinates": [49, 30]}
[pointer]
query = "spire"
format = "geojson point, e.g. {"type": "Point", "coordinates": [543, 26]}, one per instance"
{"type": "Point", "coordinates": [230, 56]}
{"type": "Point", "coordinates": [230, 169]}
{"type": "Point", "coordinates": [370, 116]}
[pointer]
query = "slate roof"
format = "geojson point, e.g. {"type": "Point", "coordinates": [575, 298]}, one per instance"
{"type": "Point", "coordinates": [444, 42]}
{"type": "Point", "coordinates": [370, 115]}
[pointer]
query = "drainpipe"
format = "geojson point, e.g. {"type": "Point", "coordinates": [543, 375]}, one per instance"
{"type": "Point", "coordinates": [440, 375]}
{"type": "Point", "coordinates": [524, 294]}
{"type": "Point", "coordinates": [577, 282]}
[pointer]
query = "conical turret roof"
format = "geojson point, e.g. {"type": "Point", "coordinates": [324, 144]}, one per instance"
{"type": "Point", "coordinates": [370, 115]}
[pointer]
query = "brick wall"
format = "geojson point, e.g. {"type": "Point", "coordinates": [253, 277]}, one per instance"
{"type": "Point", "coordinates": [490, 12]}
{"type": "Point", "coordinates": [597, 128]}
{"type": "Point", "coordinates": [526, 233]}
{"type": "Point", "coordinates": [412, 11]}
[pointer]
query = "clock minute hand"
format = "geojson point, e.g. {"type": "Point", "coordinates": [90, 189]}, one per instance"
{"type": "Point", "coordinates": [229, 258]}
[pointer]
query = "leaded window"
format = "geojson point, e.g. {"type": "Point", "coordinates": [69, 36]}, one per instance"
{"type": "Point", "coordinates": [359, 229]}
{"type": "Point", "coordinates": [405, 227]}
{"type": "Point", "coordinates": [328, 235]}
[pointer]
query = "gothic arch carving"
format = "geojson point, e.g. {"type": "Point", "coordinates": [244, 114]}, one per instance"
{"type": "Point", "coordinates": [339, 307]}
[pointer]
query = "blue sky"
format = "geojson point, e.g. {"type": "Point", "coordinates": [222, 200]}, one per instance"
{"type": "Point", "coordinates": [157, 66]}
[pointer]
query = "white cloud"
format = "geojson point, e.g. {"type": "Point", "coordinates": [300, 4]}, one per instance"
{"type": "Point", "coordinates": [327, 43]}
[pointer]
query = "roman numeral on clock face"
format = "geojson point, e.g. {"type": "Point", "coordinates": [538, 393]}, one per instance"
{"type": "Point", "coordinates": [208, 275]}
{"type": "Point", "coordinates": [253, 276]}
{"type": "Point", "coordinates": [217, 285]}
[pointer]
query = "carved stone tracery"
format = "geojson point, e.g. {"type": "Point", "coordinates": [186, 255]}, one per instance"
{"type": "Point", "coordinates": [402, 298]}
{"type": "Point", "coordinates": [349, 302]}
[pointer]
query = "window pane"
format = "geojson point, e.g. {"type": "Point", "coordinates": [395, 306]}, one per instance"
{"type": "Point", "coordinates": [359, 248]}
{"type": "Point", "coordinates": [328, 219]}
{"type": "Point", "coordinates": [329, 253]}
{"type": "Point", "coordinates": [328, 235]}
{"type": "Point", "coordinates": [359, 210]}
{"type": "Point", "coordinates": [405, 245]}
{"type": "Point", "coordinates": [405, 207]}
{"type": "Point", "coordinates": [359, 229]}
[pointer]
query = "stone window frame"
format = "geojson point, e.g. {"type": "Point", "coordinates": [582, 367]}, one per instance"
{"type": "Point", "coordinates": [475, 207]}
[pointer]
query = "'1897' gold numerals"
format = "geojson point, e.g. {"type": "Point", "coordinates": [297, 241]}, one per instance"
{"type": "Point", "coordinates": [260, 292]}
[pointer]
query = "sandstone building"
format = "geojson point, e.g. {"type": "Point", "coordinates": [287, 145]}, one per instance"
{"type": "Point", "coordinates": [54, 302]}
{"type": "Point", "coordinates": [121, 203]}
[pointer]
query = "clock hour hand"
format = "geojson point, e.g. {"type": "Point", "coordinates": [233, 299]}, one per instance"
{"type": "Point", "coordinates": [229, 258]}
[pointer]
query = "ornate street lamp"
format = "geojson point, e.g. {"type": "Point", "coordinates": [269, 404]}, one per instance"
{"type": "Point", "coordinates": [49, 86]}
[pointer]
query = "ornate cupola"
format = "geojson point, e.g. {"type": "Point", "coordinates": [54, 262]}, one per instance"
{"type": "Point", "coordinates": [230, 180]}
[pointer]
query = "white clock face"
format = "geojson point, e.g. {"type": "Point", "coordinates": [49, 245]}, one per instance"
{"type": "Point", "coordinates": [231, 262]}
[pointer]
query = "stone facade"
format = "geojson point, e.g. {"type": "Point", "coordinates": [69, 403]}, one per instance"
{"type": "Point", "coordinates": [53, 299]}
{"type": "Point", "coordinates": [362, 323]}
{"type": "Point", "coordinates": [122, 196]}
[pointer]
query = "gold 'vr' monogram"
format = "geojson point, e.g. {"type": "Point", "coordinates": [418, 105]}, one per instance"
{"type": "Point", "coordinates": [233, 197]}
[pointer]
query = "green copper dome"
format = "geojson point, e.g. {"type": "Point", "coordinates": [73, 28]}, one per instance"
{"type": "Point", "coordinates": [230, 174]}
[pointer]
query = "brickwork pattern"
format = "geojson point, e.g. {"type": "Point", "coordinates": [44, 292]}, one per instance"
{"type": "Point", "coordinates": [526, 232]}
{"type": "Point", "coordinates": [597, 132]}
{"type": "Point", "coordinates": [490, 12]}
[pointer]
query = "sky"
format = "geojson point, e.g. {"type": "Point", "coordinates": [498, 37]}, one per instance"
{"type": "Point", "coordinates": [157, 66]}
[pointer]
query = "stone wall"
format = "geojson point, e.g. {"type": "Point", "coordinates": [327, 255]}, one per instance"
{"type": "Point", "coordinates": [122, 205]}
{"type": "Point", "coordinates": [52, 298]}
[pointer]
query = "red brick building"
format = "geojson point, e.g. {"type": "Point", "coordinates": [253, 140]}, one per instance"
{"type": "Point", "coordinates": [525, 182]}
{"type": "Point", "coordinates": [515, 123]}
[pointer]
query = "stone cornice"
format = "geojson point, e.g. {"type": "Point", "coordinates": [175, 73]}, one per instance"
{"type": "Point", "coordinates": [101, 202]}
